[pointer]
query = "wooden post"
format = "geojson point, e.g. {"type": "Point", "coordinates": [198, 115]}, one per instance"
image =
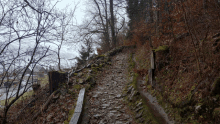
{"type": "Point", "coordinates": [56, 78]}
{"type": "Point", "coordinates": [53, 81]}
{"type": "Point", "coordinates": [151, 75]}
{"type": "Point", "coordinates": [152, 60]}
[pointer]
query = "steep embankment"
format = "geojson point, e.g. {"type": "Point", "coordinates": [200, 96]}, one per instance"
{"type": "Point", "coordinates": [187, 86]}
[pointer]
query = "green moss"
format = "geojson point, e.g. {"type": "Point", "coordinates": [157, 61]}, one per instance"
{"type": "Point", "coordinates": [81, 81]}
{"type": "Point", "coordinates": [131, 63]}
{"type": "Point", "coordinates": [70, 114]}
{"type": "Point", "coordinates": [95, 69]}
{"type": "Point", "coordinates": [99, 56]}
{"type": "Point", "coordinates": [88, 78]}
{"type": "Point", "coordinates": [168, 108]}
{"type": "Point", "coordinates": [146, 78]}
{"type": "Point", "coordinates": [77, 86]}
{"type": "Point", "coordinates": [134, 81]}
{"type": "Point", "coordinates": [100, 65]}
{"type": "Point", "coordinates": [193, 88]}
{"type": "Point", "coordinates": [88, 86]}
{"type": "Point", "coordinates": [75, 74]}
{"type": "Point", "coordinates": [66, 122]}
{"type": "Point", "coordinates": [106, 59]}
{"type": "Point", "coordinates": [44, 80]}
{"type": "Point", "coordinates": [162, 48]}
{"type": "Point", "coordinates": [23, 97]}
{"type": "Point", "coordinates": [149, 116]}
{"type": "Point", "coordinates": [72, 93]}
{"type": "Point", "coordinates": [62, 72]}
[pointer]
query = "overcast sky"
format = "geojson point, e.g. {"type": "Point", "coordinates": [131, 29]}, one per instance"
{"type": "Point", "coordinates": [68, 51]}
{"type": "Point", "coordinates": [71, 51]}
{"type": "Point", "coordinates": [80, 11]}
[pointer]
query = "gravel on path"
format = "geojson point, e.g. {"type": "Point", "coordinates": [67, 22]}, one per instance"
{"type": "Point", "coordinates": [106, 104]}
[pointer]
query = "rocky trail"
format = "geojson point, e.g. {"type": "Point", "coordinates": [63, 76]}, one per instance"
{"type": "Point", "coordinates": [105, 104]}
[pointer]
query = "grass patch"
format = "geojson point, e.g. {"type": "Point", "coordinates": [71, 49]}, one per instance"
{"type": "Point", "coordinates": [134, 81]}
{"type": "Point", "coordinates": [44, 80]}
{"type": "Point", "coordinates": [23, 97]}
{"type": "Point", "coordinates": [162, 48]}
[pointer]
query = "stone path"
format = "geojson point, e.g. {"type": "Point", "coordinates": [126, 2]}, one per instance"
{"type": "Point", "coordinates": [106, 102]}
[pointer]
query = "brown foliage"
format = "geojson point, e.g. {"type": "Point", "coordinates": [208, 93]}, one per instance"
{"type": "Point", "coordinates": [141, 72]}
{"type": "Point", "coordinates": [99, 51]}
{"type": "Point", "coordinates": [141, 33]}
{"type": "Point", "coordinates": [193, 36]}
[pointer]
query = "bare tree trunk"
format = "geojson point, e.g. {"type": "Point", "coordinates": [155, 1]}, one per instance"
{"type": "Point", "coordinates": [58, 54]}
{"type": "Point", "coordinates": [156, 16]}
{"type": "Point", "coordinates": [106, 35]}
{"type": "Point", "coordinates": [105, 25]}
{"type": "Point", "coordinates": [112, 24]}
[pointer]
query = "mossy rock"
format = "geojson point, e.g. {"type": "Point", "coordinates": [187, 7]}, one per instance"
{"type": "Point", "coordinates": [162, 48]}
{"type": "Point", "coordinates": [216, 87]}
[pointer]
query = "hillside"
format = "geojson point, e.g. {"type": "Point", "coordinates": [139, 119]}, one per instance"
{"type": "Point", "coordinates": [119, 90]}
{"type": "Point", "coordinates": [159, 67]}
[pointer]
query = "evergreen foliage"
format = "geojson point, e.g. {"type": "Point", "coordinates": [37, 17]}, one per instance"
{"type": "Point", "coordinates": [137, 10]}
{"type": "Point", "coordinates": [85, 52]}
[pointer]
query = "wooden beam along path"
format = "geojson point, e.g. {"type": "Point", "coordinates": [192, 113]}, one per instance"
{"type": "Point", "coordinates": [78, 110]}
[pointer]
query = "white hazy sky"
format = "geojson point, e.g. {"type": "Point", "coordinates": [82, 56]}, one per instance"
{"type": "Point", "coordinates": [69, 52]}
{"type": "Point", "coordinates": [80, 11]}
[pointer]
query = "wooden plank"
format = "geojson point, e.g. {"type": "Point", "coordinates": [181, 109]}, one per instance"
{"type": "Point", "coordinates": [75, 118]}
{"type": "Point", "coordinates": [80, 101]}
{"type": "Point", "coordinates": [78, 109]}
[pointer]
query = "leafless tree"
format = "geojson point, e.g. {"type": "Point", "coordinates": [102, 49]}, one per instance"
{"type": "Point", "coordinates": [63, 31]}
{"type": "Point", "coordinates": [23, 24]}
{"type": "Point", "coordinates": [106, 21]}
